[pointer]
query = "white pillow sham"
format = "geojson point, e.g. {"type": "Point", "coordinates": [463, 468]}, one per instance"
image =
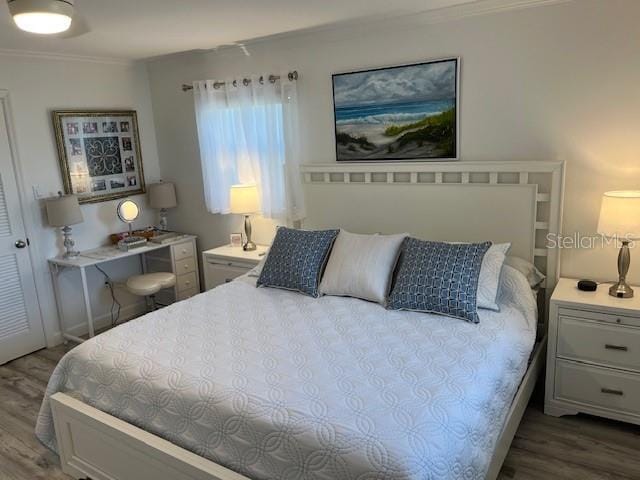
{"type": "Point", "coordinates": [257, 270]}
{"type": "Point", "coordinates": [534, 276]}
{"type": "Point", "coordinates": [361, 266]}
{"type": "Point", "coordinates": [489, 279]}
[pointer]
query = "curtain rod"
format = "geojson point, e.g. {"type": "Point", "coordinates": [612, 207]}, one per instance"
{"type": "Point", "coordinates": [246, 81]}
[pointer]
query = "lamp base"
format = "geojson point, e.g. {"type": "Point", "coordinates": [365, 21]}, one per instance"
{"type": "Point", "coordinates": [69, 243]}
{"type": "Point", "coordinates": [621, 290]}
{"type": "Point", "coordinates": [164, 224]}
{"type": "Point", "coordinates": [248, 246]}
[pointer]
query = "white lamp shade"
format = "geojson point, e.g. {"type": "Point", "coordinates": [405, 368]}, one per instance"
{"type": "Point", "coordinates": [620, 214]}
{"type": "Point", "coordinates": [42, 16]}
{"type": "Point", "coordinates": [162, 195]}
{"type": "Point", "coordinates": [63, 211]}
{"type": "Point", "coordinates": [244, 199]}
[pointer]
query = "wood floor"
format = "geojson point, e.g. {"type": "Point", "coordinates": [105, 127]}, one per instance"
{"type": "Point", "coordinates": [571, 448]}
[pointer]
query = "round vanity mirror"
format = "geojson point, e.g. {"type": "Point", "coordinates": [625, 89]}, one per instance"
{"type": "Point", "coordinates": [128, 211]}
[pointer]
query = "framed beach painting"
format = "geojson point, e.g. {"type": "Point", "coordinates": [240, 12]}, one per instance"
{"type": "Point", "coordinates": [99, 153]}
{"type": "Point", "coordinates": [406, 112]}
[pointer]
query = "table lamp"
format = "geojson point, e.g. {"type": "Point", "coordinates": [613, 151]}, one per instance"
{"type": "Point", "coordinates": [244, 201]}
{"type": "Point", "coordinates": [620, 219]}
{"type": "Point", "coordinates": [162, 195]}
{"type": "Point", "coordinates": [62, 211]}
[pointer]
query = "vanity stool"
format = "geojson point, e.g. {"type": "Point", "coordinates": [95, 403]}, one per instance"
{"type": "Point", "coordinates": [148, 284]}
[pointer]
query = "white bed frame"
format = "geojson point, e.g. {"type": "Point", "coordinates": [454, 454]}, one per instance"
{"type": "Point", "coordinates": [519, 202]}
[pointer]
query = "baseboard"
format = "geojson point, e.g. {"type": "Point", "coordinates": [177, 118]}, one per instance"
{"type": "Point", "coordinates": [127, 312]}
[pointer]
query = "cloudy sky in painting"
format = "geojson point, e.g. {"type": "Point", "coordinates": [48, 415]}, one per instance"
{"type": "Point", "coordinates": [435, 81]}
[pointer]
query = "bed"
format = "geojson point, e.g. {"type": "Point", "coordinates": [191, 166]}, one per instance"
{"type": "Point", "coordinates": [241, 382]}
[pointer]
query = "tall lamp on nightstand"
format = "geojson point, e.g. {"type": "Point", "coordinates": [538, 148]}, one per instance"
{"type": "Point", "coordinates": [620, 220]}
{"type": "Point", "coordinates": [244, 201]}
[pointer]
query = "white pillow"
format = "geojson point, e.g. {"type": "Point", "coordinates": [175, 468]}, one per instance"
{"type": "Point", "coordinates": [489, 279]}
{"type": "Point", "coordinates": [257, 270]}
{"type": "Point", "coordinates": [534, 276]}
{"type": "Point", "coordinates": [361, 266]}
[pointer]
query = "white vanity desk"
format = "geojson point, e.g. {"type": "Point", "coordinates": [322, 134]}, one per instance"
{"type": "Point", "coordinates": [177, 256]}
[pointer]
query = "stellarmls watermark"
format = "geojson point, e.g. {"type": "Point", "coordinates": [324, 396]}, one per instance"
{"type": "Point", "coordinates": [578, 240]}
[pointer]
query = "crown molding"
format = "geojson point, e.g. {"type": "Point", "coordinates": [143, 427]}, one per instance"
{"type": "Point", "coordinates": [480, 7]}
{"type": "Point", "coordinates": [350, 28]}
{"type": "Point", "coordinates": [7, 52]}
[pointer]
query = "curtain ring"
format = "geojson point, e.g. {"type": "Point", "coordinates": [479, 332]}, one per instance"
{"type": "Point", "coordinates": [261, 80]}
{"type": "Point", "coordinates": [235, 83]}
{"type": "Point", "coordinates": [292, 76]}
{"type": "Point", "coordinates": [246, 82]}
{"type": "Point", "coordinates": [272, 79]}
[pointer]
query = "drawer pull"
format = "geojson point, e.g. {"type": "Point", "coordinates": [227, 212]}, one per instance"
{"type": "Point", "coordinates": [620, 348]}
{"type": "Point", "coordinates": [611, 391]}
{"type": "Point", "coordinates": [185, 266]}
{"type": "Point", "coordinates": [187, 282]}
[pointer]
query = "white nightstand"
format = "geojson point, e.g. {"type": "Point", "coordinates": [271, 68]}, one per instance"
{"type": "Point", "coordinates": [223, 264]}
{"type": "Point", "coordinates": [593, 357]}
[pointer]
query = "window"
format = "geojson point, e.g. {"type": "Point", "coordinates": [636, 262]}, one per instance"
{"type": "Point", "coordinates": [248, 134]}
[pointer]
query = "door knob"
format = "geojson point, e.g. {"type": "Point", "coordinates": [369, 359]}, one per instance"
{"type": "Point", "coordinates": [20, 244]}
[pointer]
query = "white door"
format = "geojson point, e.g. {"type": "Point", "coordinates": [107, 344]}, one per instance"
{"type": "Point", "coordinates": [21, 329]}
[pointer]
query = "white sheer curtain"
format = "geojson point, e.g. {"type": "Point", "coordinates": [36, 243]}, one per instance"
{"type": "Point", "coordinates": [248, 133]}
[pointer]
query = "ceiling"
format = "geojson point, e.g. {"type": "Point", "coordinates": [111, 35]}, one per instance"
{"type": "Point", "coordinates": [136, 29]}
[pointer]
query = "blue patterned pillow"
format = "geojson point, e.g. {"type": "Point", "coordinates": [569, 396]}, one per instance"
{"type": "Point", "coordinates": [438, 277]}
{"type": "Point", "coordinates": [297, 259]}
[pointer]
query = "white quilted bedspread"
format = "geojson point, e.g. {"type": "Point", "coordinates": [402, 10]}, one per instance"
{"type": "Point", "coordinates": [277, 385]}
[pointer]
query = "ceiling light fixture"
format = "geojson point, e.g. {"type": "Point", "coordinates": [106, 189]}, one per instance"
{"type": "Point", "coordinates": [42, 16]}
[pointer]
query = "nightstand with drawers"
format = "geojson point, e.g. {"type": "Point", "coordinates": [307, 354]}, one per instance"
{"type": "Point", "coordinates": [223, 264]}
{"type": "Point", "coordinates": [593, 356]}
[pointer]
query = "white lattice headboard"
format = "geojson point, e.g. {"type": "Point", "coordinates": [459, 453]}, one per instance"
{"type": "Point", "coordinates": [518, 202]}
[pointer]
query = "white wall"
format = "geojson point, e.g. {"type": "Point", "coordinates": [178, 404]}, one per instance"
{"type": "Point", "coordinates": [36, 86]}
{"type": "Point", "coordinates": [559, 81]}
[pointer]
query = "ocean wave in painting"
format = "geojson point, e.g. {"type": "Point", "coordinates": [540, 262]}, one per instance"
{"type": "Point", "coordinates": [397, 112]}
{"type": "Point", "coordinates": [387, 118]}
